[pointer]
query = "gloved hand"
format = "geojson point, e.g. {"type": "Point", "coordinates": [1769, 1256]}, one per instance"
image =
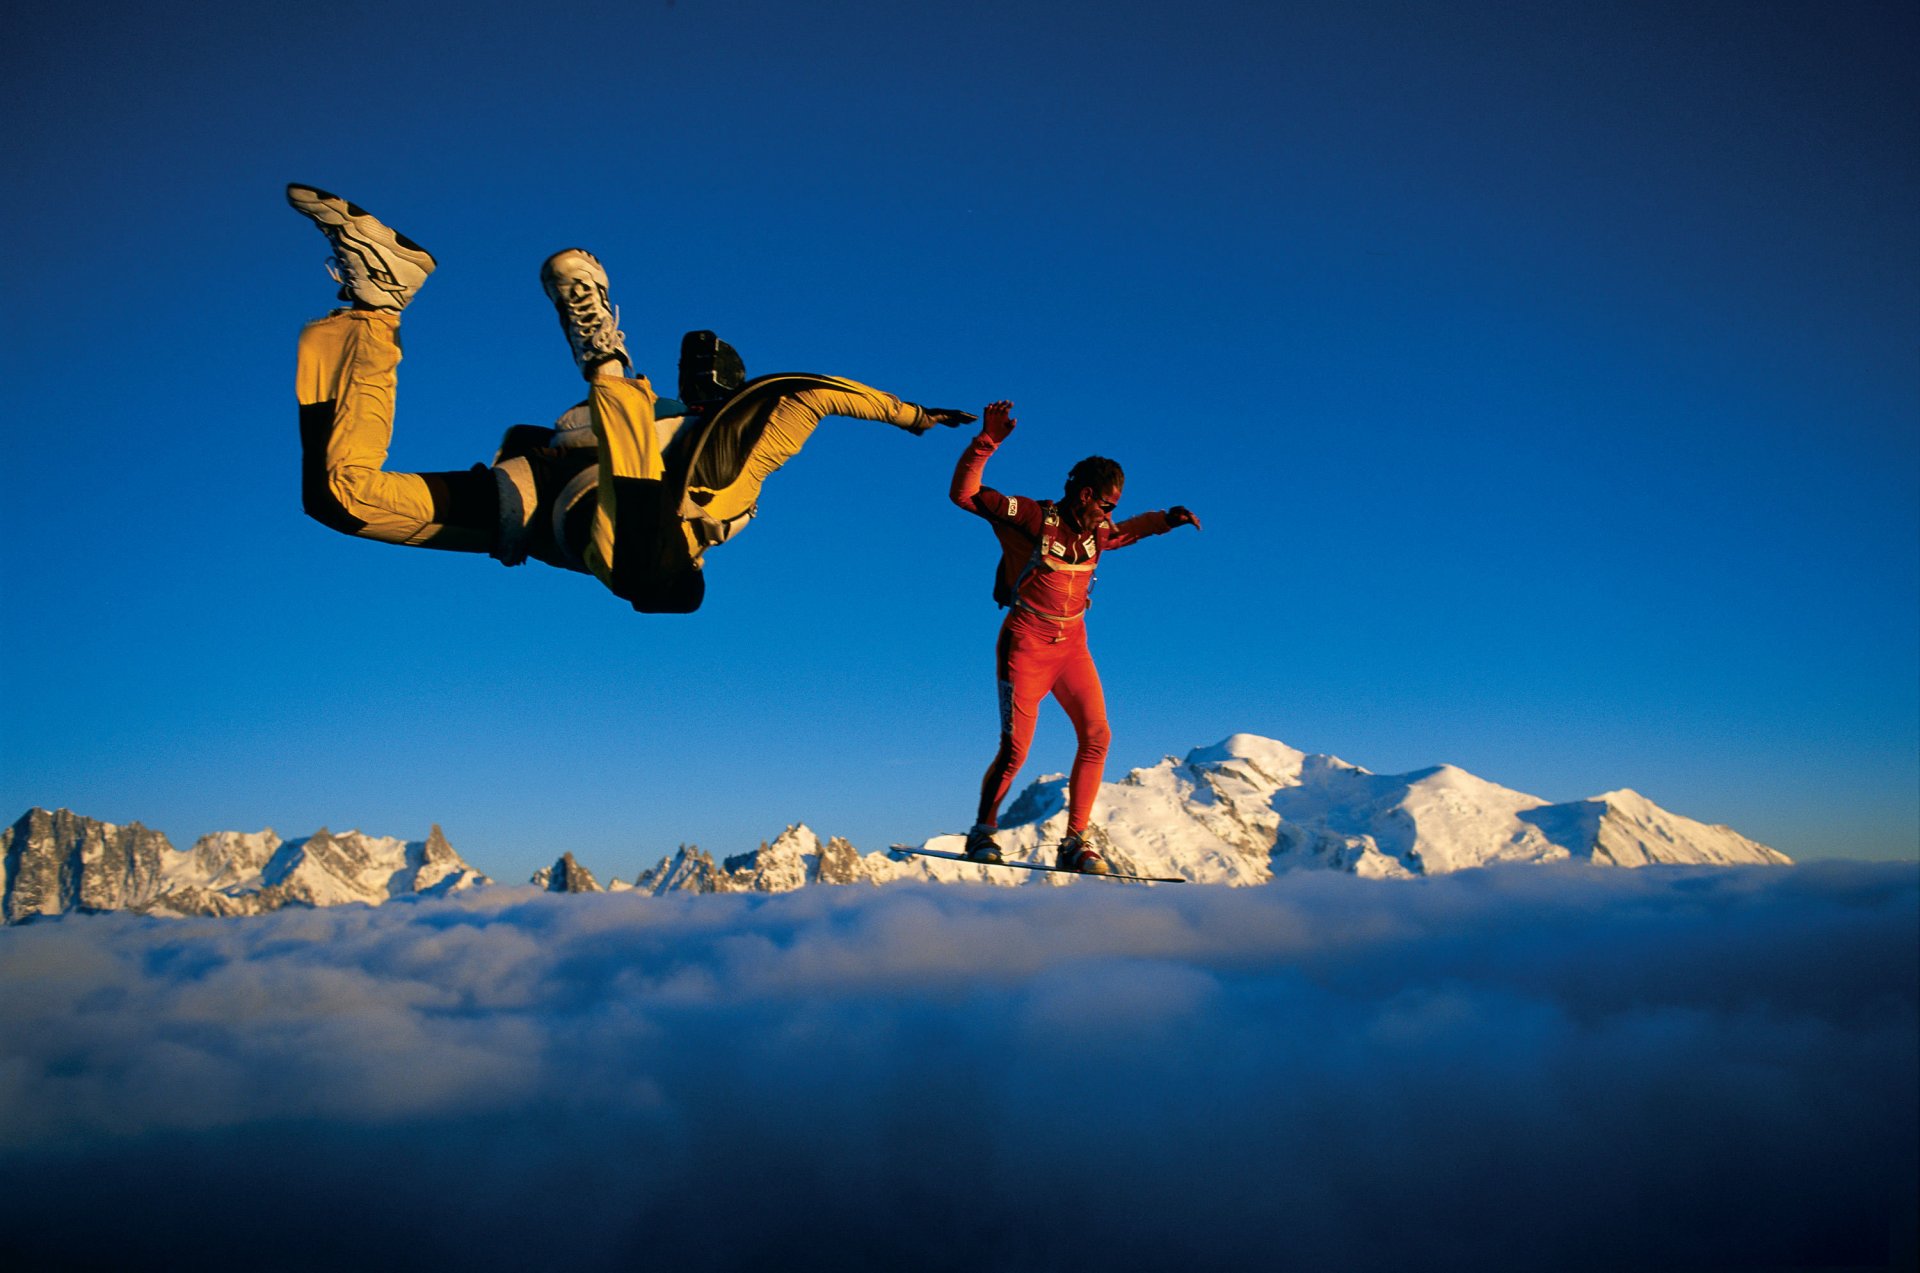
{"type": "Point", "coordinates": [934, 417]}
{"type": "Point", "coordinates": [1181, 515]}
{"type": "Point", "coordinates": [999, 422]}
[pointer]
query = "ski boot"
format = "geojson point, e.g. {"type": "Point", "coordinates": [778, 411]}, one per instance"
{"type": "Point", "coordinates": [375, 265]}
{"type": "Point", "coordinates": [1076, 854]}
{"type": "Point", "coordinates": [981, 846]}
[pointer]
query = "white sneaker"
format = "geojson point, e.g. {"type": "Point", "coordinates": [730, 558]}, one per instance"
{"type": "Point", "coordinates": [576, 283]}
{"type": "Point", "coordinates": [374, 264]}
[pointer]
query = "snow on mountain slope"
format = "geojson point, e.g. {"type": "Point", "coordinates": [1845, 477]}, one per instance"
{"type": "Point", "coordinates": [796, 858]}
{"type": "Point", "coordinates": [325, 869]}
{"type": "Point", "coordinates": [1235, 813]}
{"type": "Point", "coordinates": [225, 859]}
{"type": "Point", "coordinates": [59, 862]}
{"type": "Point", "coordinates": [1247, 807]}
{"type": "Point", "coordinates": [1425, 823]}
{"type": "Point", "coordinates": [1624, 828]}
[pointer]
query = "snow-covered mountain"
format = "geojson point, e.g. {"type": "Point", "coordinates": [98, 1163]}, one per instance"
{"type": "Point", "coordinates": [60, 861]}
{"type": "Point", "coordinates": [1235, 813]}
{"type": "Point", "coordinates": [1249, 807]}
{"type": "Point", "coordinates": [796, 858]}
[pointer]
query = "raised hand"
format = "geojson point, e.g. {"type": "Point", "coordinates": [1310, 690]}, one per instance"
{"type": "Point", "coordinates": [1181, 515]}
{"type": "Point", "coordinates": [1000, 421]}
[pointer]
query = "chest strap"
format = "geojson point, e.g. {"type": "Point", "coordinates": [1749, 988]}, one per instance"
{"type": "Point", "coordinates": [1049, 550]}
{"type": "Point", "coordinates": [1019, 604]}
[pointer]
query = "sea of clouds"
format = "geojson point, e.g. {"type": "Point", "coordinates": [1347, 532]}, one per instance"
{"type": "Point", "coordinates": [1524, 1068]}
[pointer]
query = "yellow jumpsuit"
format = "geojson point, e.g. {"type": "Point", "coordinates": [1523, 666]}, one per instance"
{"type": "Point", "coordinates": [346, 374]}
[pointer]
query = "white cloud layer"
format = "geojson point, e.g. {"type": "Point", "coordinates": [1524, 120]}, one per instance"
{"type": "Point", "coordinates": [1509, 1069]}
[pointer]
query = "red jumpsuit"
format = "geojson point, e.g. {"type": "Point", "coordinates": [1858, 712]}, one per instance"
{"type": "Point", "coordinates": [1045, 575]}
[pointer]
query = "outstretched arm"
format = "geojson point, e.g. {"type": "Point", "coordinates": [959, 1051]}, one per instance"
{"type": "Point", "coordinates": [966, 489]}
{"type": "Point", "coordinates": [1138, 527]}
{"type": "Point", "coordinates": [834, 395]}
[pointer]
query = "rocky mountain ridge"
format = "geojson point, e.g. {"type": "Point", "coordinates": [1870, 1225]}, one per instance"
{"type": "Point", "coordinates": [55, 862]}
{"type": "Point", "coordinates": [1237, 813]}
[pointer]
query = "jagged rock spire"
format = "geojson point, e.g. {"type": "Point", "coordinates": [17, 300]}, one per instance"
{"type": "Point", "coordinates": [59, 862]}
{"type": "Point", "coordinates": [566, 876]}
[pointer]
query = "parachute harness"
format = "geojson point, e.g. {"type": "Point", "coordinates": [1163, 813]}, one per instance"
{"type": "Point", "coordinates": [1049, 553]}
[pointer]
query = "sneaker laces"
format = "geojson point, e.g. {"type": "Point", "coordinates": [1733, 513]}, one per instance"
{"type": "Point", "coordinates": [342, 275]}
{"type": "Point", "coordinates": [586, 303]}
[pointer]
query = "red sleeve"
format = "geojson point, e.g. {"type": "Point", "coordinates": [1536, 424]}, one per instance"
{"type": "Point", "coordinates": [968, 493]}
{"type": "Point", "coordinates": [1133, 530]}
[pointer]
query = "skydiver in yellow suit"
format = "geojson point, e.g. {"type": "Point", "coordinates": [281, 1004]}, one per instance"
{"type": "Point", "coordinates": [628, 487]}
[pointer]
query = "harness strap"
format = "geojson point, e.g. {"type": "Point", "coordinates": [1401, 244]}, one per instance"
{"type": "Point", "coordinates": [1019, 604]}
{"type": "Point", "coordinates": [1042, 559]}
{"type": "Point", "coordinates": [1050, 518]}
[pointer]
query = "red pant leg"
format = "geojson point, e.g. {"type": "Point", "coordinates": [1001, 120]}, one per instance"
{"type": "Point", "coordinates": [1027, 660]}
{"type": "Point", "coordinates": [1077, 686]}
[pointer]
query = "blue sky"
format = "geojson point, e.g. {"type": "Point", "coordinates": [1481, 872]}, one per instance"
{"type": "Point", "coordinates": [1545, 376]}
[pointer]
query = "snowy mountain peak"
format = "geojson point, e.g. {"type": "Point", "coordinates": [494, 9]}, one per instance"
{"type": "Point", "coordinates": [1634, 831]}
{"type": "Point", "coordinates": [1268, 756]}
{"type": "Point", "coordinates": [1237, 812]}
{"type": "Point", "coordinates": [224, 859]}
{"type": "Point", "coordinates": [63, 862]}
{"type": "Point", "coordinates": [795, 858]}
{"type": "Point", "coordinates": [1248, 807]}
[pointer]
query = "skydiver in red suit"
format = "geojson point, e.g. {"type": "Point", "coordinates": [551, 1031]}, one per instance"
{"type": "Point", "coordinates": [1048, 555]}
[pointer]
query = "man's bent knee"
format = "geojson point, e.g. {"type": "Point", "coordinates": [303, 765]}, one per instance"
{"type": "Point", "coordinates": [455, 510]}
{"type": "Point", "coordinates": [320, 494]}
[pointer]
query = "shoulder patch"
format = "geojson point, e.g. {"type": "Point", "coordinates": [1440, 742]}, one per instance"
{"type": "Point", "coordinates": [1013, 505]}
